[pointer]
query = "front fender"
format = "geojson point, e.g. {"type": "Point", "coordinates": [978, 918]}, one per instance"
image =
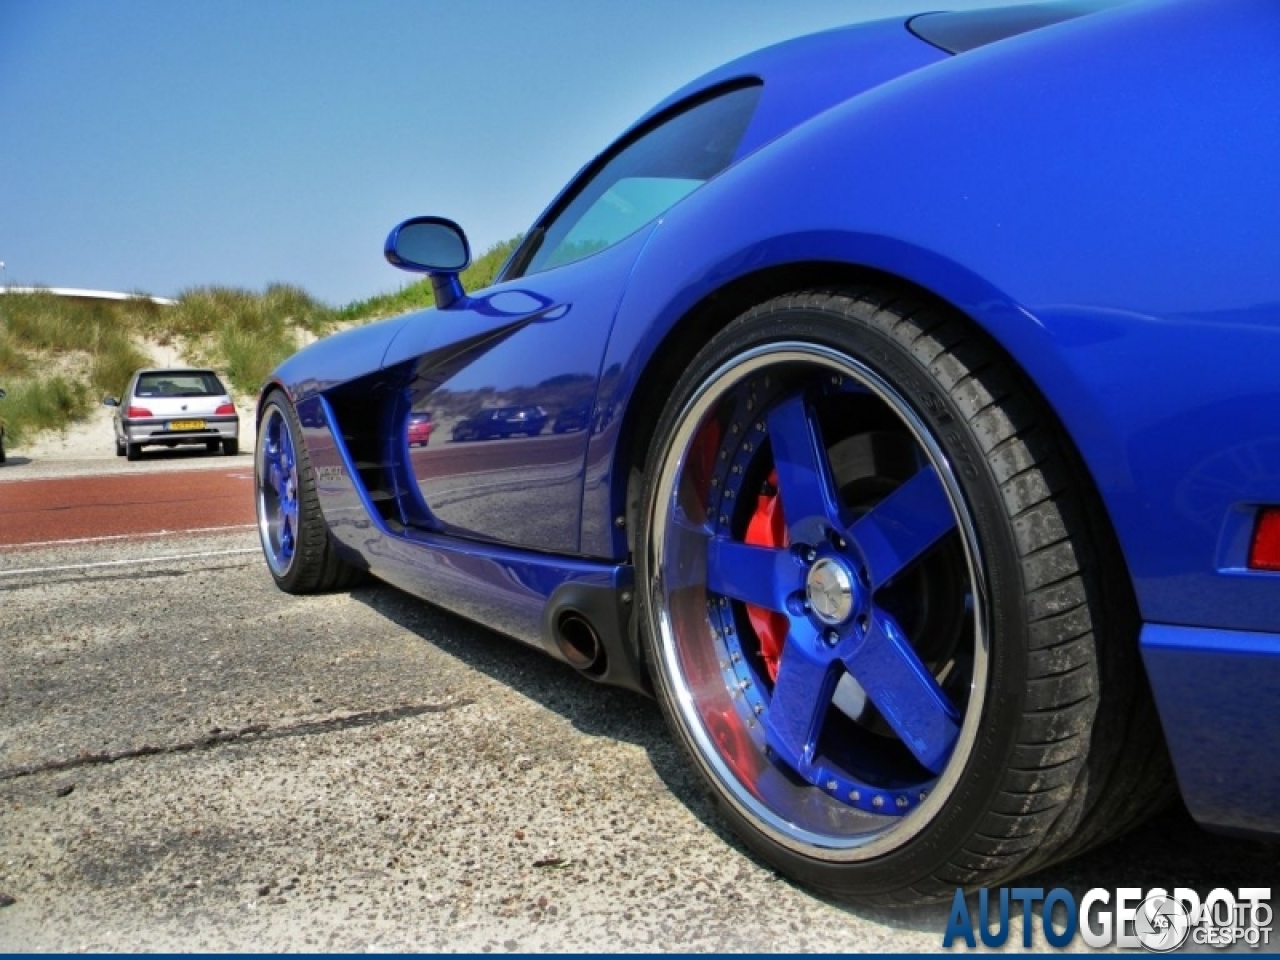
{"type": "Point", "coordinates": [335, 359]}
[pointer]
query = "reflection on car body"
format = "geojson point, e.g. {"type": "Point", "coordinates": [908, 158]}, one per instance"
{"type": "Point", "coordinates": [501, 422]}
{"type": "Point", "coordinates": [576, 417]}
{"type": "Point", "coordinates": [419, 428]}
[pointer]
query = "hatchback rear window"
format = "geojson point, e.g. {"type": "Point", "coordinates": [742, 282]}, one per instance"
{"type": "Point", "coordinates": [198, 384]}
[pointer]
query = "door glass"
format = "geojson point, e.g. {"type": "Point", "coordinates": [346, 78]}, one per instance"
{"type": "Point", "coordinates": [645, 176]}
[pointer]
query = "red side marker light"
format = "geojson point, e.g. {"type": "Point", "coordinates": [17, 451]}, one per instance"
{"type": "Point", "coordinates": [1264, 551]}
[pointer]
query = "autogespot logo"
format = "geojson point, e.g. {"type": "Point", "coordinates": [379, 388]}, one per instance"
{"type": "Point", "coordinates": [1156, 920]}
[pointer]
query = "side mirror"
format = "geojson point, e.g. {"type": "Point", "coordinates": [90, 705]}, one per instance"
{"type": "Point", "coordinates": [434, 246]}
{"type": "Point", "coordinates": [110, 402]}
{"type": "Point", "coordinates": [3, 393]}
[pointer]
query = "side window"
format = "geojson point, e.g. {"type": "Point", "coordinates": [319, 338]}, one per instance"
{"type": "Point", "coordinates": [644, 178]}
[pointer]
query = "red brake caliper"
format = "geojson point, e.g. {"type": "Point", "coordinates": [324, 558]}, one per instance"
{"type": "Point", "coordinates": [768, 528]}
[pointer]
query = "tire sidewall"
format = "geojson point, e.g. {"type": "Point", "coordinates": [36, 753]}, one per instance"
{"type": "Point", "coordinates": [288, 580]}
{"type": "Point", "coordinates": [852, 333]}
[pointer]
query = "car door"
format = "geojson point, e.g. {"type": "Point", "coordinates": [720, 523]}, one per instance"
{"type": "Point", "coordinates": [537, 338]}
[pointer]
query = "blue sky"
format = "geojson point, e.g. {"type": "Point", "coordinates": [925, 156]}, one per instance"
{"type": "Point", "coordinates": [157, 145]}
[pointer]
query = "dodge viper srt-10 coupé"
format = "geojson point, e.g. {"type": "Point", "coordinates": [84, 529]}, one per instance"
{"type": "Point", "coordinates": [929, 478]}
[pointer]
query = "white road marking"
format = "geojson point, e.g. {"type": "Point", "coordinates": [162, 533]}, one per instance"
{"type": "Point", "coordinates": [124, 563]}
{"type": "Point", "coordinates": [124, 536]}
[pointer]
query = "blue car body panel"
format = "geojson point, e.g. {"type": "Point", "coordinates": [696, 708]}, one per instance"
{"type": "Point", "coordinates": [1214, 689]}
{"type": "Point", "coordinates": [506, 588]}
{"type": "Point", "coordinates": [1099, 196]}
{"type": "Point", "coordinates": [541, 339]}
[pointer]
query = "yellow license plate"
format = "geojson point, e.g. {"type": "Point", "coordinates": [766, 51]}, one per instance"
{"type": "Point", "coordinates": [186, 424]}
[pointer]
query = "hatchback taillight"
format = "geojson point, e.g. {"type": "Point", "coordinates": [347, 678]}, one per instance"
{"type": "Point", "coordinates": [133, 412]}
{"type": "Point", "coordinates": [227, 408]}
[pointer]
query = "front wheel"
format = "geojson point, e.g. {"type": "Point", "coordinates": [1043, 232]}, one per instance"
{"type": "Point", "coordinates": [299, 552]}
{"type": "Point", "coordinates": [869, 612]}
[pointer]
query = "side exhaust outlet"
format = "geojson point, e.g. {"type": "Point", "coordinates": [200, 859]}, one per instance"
{"type": "Point", "coordinates": [579, 643]}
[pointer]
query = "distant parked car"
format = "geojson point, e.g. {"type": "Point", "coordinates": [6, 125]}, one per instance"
{"type": "Point", "coordinates": [419, 429]}
{"type": "Point", "coordinates": [3, 394]}
{"type": "Point", "coordinates": [172, 407]}
{"type": "Point", "coordinates": [501, 422]}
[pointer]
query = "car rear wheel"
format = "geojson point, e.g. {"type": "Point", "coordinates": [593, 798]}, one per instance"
{"type": "Point", "coordinates": [872, 594]}
{"type": "Point", "coordinates": [133, 451]}
{"type": "Point", "coordinates": [212, 446]}
{"type": "Point", "coordinates": [230, 447]}
{"type": "Point", "coordinates": [295, 541]}
{"type": "Point", "coordinates": [119, 447]}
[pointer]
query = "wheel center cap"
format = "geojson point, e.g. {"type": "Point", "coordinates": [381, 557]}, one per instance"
{"type": "Point", "coordinates": [829, 590]}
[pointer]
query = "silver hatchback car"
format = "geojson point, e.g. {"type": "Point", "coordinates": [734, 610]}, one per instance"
{"type": "Point", "coordinates": [172, 407]}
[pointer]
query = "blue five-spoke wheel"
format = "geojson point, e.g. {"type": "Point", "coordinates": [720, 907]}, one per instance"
{"type": "Point", "coordinates": [816, 601]}
{"type": "Point", "coordinates": [276, 477]}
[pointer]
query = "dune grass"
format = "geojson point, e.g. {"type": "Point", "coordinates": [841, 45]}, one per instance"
{"type": "Point", "coordinates": [59, 356]}
{"type": "Point", "coordinates": [246, 335]}
{"type": "Point", "coordinates": [44, 404]}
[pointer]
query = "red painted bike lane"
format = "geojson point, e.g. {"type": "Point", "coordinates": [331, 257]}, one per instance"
{"type": "Point", "coordinates": [37, 512]}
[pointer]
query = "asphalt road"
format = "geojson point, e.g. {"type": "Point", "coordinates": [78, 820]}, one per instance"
{"type": "Point", "coordinates": [191, 760]}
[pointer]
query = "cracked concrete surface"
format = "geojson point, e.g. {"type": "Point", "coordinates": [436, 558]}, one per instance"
{"type": "Point", "coordinates": [191, 760]}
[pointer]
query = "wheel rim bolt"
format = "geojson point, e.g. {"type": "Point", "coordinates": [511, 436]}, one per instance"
{"type": "Point", "coordinates": [877, 801]}
{"type": "Point", "coordinates": [902, 803]}
{"type": "Point", "coordinates": [832, 637]}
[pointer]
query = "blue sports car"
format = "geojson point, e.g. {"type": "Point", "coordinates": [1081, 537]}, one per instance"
{"type": "Point", "coordinates": [932, 483]}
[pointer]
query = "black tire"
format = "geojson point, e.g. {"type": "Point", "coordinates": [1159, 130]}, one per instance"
{"type": "Point", "coordinates": [230, 447]}
{"type": "Point", "coordinates": [133, 451]}
{"type": "Point", "coordinates": [299, 551]}
{"type": "Point", "coordinates": [119, 447]}
{"type": "Point", "coordinates": [2, 453]}
{"type": "Point", "coordinates": [212, 446]}
{"type": "Point", "coordinates": [1018, 608]}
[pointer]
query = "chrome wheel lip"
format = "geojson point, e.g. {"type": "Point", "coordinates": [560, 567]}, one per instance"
{"type": "Point", "coordinates": [271, 502]}
{"type": "Point", "coordinates": [884, 833]}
